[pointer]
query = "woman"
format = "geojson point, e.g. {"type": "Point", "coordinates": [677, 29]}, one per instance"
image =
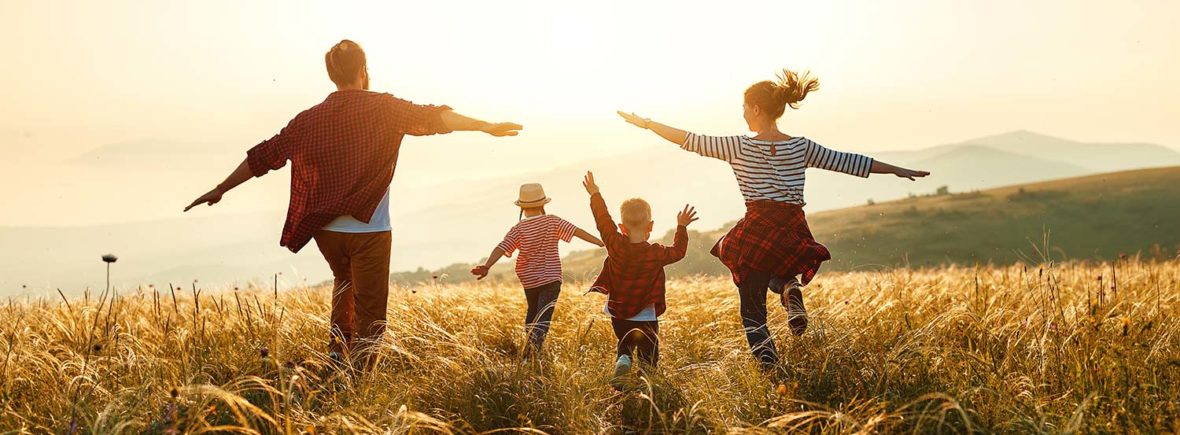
{"type": "Point", "coordinates": [772, 246]}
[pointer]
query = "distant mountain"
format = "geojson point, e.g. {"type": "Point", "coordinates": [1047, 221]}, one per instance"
{"type": "Point", "coordinates": [1092, 156]}
{"type": "Point", "coordinates": [1096, 217]}
{"type": "Point", "coordinates": [1097, 157]}
{"type": "Point", "coordinates": [460, 221]}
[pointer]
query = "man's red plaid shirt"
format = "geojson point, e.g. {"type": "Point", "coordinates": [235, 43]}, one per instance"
{"type": "Point", "coordinates": [343, 153]}
{"type": "Point", "coordinates": [632, 276]}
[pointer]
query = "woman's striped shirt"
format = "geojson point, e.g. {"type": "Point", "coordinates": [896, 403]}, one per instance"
{"type": "Point", "coordinates": [774, 170]}
{"type": "Point", "coordinates": [536, 238]}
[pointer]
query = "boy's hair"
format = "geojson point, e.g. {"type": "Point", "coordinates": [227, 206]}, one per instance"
{"type": "Point", "coordinates": [345, 60]}
{"type": "Point", "coordinates": [635, 212]}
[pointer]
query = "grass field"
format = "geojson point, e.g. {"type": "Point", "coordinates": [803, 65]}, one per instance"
{"type": "Point", "coordinates": [1056, 348]}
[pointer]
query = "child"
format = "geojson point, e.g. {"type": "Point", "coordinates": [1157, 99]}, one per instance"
{"type": "Point", "coordinates": [539, 265]}
{"type": "Point", "coordinates": [633, 276]}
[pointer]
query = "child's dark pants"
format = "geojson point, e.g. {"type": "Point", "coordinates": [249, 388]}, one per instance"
{"type": "Point", "coordinates": [641, 337]}
{"type": "Point", "coordinates": [753, 310]}
{"type": "Point", "coordinates": [542, 301]}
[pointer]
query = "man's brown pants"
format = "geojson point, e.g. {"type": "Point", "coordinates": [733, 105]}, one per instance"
{"type": "Point", "coordinates": [360, 265]}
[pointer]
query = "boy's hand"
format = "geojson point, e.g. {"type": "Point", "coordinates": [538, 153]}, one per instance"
{"type": "Point", "coordinates": [480, 272]}
{"type": "Point", "coordinates": [588, 183]}
{"type": "Point", "coordinates": [687, 216]}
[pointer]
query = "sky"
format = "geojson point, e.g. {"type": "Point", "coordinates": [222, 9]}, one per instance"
{"type": "Point", "coordinates": [81, 78]}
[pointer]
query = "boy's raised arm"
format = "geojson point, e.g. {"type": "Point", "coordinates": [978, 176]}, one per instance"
{"type": "Point", "coordinates": [606, 225]}
{"type": "Point", "coordinates": [679, 247]}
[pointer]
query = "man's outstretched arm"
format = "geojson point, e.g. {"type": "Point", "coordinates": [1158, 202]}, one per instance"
{"type": "Point", "coordinates": [458, 122]}
{"type": "Point", "coordinates": [238, 176]}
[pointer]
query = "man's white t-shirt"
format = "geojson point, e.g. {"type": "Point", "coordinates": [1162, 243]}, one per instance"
{"type": "Point", "coordinates": [379, 222]}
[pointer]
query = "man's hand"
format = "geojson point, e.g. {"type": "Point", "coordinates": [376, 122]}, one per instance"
{"type": "Point", "coordinates": [686, 216]}
{"type": "Point", "coordinates": [634, 119]}
{"type": "Point", "coordinates": [910, 173]}
{"type": "Point", "coordinates": [211, 197]}
{"type": "Point", "coordinates": [588, 183]}
{"type": "Point", "coordinates": [502, 129]}
{"type": "Point", "coordinates": [480, 272]}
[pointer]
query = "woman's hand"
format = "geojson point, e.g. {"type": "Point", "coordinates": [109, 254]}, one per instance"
{"type": "Point", "coordinates": [635, 120]}
{"type": "Point", "coordinates": [909, 173]}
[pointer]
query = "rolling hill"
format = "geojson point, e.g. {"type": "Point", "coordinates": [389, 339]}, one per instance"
{"type": "Point", "coordinates": [140, 188]}
{"type": "Point", "coordinates": [1095, 217]}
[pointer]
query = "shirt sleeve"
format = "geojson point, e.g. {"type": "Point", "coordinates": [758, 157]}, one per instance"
{"type": "Point", "coordinates": [671, 254]}
{"type": "Point", "coordinates": [853, 164]}
{"type": "Point", "coordinates": [510, 243]}
{"type": "Point", "coordinates": [565, 230]}
{"type": "Point", "coordinates": [272, 153]}
{"type": "Point", "coordinates": [416, 119]}
{"type": "Point", "coordinates": [718, 147]}
{"type": "Point", "coordinates": [606, 225]}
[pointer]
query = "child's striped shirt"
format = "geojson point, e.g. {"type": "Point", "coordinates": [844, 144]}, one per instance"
{"type": "Point", "coordinates": [536, 238]}
{"type": "Point", "coordinates": [774, 170]}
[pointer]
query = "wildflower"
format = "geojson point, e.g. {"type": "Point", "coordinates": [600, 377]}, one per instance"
{"type": "Point", "coordinates": [264, 352]}
{"type": "Point", "coordinates": [97, 347]}
{"type": "Point", "coordinates": [110, 258]}
{"type": "Point", "coordinates": [174, 393]}
{"type": "Point", "coordinates": [1126, 325]}
{"type": "Point", "coordinates": [782, 389]}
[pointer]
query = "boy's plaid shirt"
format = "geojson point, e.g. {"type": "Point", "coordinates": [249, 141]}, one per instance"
{"type": "Point", "coordinates": [632, 276]}
{"type": "Point", "coordinates": [343, 153]}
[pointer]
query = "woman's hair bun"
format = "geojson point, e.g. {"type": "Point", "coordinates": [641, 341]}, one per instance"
{"type": "Point", "coordinates": [792, 87]}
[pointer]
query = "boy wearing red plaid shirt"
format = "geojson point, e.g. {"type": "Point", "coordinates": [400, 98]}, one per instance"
{"type": "Point", "coordinates": [633, 275]}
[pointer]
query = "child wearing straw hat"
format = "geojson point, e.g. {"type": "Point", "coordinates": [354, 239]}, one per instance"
{"type": "Point", "coordinates": [539, 265]}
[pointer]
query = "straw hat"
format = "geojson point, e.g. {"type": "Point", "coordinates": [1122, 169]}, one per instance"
{"type": "Point", "coordinates": [532, 195]}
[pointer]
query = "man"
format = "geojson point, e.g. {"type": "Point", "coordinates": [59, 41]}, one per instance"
{"type": "Point", "coordinates": [343, 153]}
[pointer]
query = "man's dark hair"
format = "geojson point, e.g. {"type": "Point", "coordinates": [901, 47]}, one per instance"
{"type": "Point", "coordinates": [344, 61]}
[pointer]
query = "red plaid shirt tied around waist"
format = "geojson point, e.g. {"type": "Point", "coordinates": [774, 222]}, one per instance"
{"type": "Point", "coordinates": [773, 237]}
{"type": "Point", "coordinates": [343, 153]}
{"type": "Point", "coordinates": [632, 276]}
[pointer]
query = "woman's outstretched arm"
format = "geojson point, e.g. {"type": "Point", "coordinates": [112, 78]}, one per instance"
{"type": "Point", "coordinates": [880, 167]}
{"type": "Point", "coordinates": [672, 134]}
{"type": "Point", "coordinates": [717, 147]}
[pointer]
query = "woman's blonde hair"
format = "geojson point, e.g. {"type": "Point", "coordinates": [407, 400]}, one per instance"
{"type": "Point", "coordinates": [789, 89]}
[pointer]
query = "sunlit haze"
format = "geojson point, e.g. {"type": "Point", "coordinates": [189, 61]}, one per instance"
{"type": "Point", "coordinates": [226, 75]}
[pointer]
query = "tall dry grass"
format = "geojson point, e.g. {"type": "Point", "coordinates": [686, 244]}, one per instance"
{"type": "Point", "coordinates": [1075, 347]}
